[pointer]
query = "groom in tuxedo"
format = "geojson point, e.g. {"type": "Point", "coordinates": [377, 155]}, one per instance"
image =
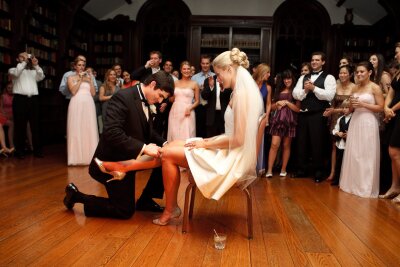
{"type": "Point", "coordinates": [128, 134]}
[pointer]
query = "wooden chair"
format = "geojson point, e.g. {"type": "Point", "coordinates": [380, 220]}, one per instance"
{"type": "Point", "coordinates": [191, 189]}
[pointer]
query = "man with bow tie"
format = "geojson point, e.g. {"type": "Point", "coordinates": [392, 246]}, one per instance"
{"type": "Point", "coordinates": [128, 134]}
{"type": "Point", "coordinates": [315, 91]}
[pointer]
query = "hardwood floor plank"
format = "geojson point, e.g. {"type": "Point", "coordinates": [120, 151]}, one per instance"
{"type": "Point", "coordinates": [277, 250]}
{"type": "Point", "coordinates": [322, 259]}
{"type": "Point", "coordinates": [60, 251]}
{"type": "Point", "coordinates": [296, 223]}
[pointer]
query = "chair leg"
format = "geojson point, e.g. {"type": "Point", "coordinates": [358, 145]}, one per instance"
{"type": "Point", "coordinates": [186, 212]}
{"type": "Point", "coordinates": [247, 191]}
{"type": "Point", "coordinates": [192, 201]}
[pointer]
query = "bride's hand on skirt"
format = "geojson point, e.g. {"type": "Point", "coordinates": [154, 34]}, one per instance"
{"type": "Point", "coordinates": [196, 144]}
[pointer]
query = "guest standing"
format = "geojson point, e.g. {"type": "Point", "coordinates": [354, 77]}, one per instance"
{"type": "Point", "coordinates": [344, 89]}
{"type": "Point", "coordinates": [26, 102]}
{"type": "Point", "coordinates": [360, 168]}
{"type": "Point", "coordinates": [392, 107]}
{"type": "Point", "coordinates": [6, 100]}
{"type": "Point", "coordinates": [82, 133]}
{"type": "Point", "coordinates": [283, 123]}
{"type": "Point", "coordinates": [315, 91]}
{"type": "Point", "coordinates": [107, 89]}
{"type": "Point", "coordinates": [182, 120]}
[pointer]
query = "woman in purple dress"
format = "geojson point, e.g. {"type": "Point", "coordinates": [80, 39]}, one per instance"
{"type": "Point", "coordinates": [283, 122]}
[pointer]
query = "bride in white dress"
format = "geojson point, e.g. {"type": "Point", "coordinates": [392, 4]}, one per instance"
{"type": "Point", "coordinates": [219, 162]}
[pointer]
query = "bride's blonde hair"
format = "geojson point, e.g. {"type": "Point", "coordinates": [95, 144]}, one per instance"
{"type": "Point", "coordinates": [235, 57]}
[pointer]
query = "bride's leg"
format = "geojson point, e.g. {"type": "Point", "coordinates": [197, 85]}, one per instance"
{"type": "Point", "coordinates": [173, 157]}
{"type": "Point", "coordinates": [131, 165]}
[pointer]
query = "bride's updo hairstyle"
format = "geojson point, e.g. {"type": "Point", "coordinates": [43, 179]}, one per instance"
{"type": "Point", "coordinates": [235, 57]}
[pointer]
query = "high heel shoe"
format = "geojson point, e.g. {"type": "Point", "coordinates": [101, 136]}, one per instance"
{"type": "Point", "coordinates": [396, 200]}
{"type": "Point", "coordinates": [3, 152]}
{"type": "Point", "coordinates": [389, 195]}
{"type": "Point", "coordinates": [176, 213]}
{"type": "Point", "coordinates": [11, 151]}
{"type": "Point", "coordinates": [117, 175]}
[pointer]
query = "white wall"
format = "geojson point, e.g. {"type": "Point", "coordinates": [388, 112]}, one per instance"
{"type": "Point", "coordinates": [238, 8]}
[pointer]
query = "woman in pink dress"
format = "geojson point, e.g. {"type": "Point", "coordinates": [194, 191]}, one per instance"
{"type": "Point", "coordinates": [82, 134]}
{"type": "Point", "coordinates": [360, 168]}
{"type": "Point", "coordinates": [6, 119]}
{"type": "Point", "coordinates": [182, 120]}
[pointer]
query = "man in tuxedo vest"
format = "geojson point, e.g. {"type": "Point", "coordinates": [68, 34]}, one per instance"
{"type": "Point", "coordinates": [128, 134]}
{"type": "Point", "coordinates": [218, 99]}
{"type": "Point", "coordinates": [315, 91]}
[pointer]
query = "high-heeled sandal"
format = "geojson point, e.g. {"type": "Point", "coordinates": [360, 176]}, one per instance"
{"type": "Point", "coordinates": [396, 200]}
{"type": "Point", "coordinates": [176, 213]}
{"type": "Point", "coordinates": [3, 152]}
{"type": "Point", "coordinates": [389, 195]}
{"type": "Point", "coordinates": [117, 175]}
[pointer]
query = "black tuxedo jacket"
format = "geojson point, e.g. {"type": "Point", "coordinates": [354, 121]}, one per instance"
{"type": "Point", "coordinates": [126, 130]}
{"type": "Point", "coordinates": [141, 74]}
{"type": "Point", "coordinates": [211, 97]}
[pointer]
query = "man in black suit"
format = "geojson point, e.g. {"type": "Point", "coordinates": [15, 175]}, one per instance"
{"type": "Point", "coordinates": [152, 66]}
{"type": "Point", "coordinates": [315, 91]}
{"type": "Point", "coordinates": [218, 99]}
{"type": "Point", "coordinates": [128, 134]}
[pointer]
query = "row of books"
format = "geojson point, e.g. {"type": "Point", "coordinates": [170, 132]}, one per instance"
{"type": "Point", "coordinates": [51, 43]}
{"type": "Point", "coordinates": [5, 24]}
{"type": "Point", "coordinates": [42, 54]}
{"type": "Point", "coordinates": [45, 27]}
{"type": "Point", "coordinates": [109, 37]}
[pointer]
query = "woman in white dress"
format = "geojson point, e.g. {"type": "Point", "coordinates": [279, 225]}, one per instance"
{"type": "Point", "coordinates": [219, 162]}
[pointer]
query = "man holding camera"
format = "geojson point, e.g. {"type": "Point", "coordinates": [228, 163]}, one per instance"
{"type": "Point", "coordinates": [26, 102]}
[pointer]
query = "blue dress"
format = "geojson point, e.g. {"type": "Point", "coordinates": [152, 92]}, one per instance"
{"type": "Point", "coordinates": [263, 154]}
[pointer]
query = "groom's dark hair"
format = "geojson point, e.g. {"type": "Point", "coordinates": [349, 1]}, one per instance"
{"type": "Point", "coordinates": [164, 81]}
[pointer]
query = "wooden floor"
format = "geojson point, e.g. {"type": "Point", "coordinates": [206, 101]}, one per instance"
{"type": "Point", "coordinates": [296, 223]}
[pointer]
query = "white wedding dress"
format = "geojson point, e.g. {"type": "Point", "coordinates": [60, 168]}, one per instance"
{"type": "Point", "coordinates": [214, 170]}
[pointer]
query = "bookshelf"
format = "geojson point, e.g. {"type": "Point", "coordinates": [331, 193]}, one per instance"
{"type": "Point", "coordinates": [80, 39]}
{"type": "Point", "coordinates": [112, 44]}
{"type": "Point", "coordinates": [6, 48]}
{"type": "Point", "coordinates": [211, 35]}
{"type": "Point", "coordinates": [359, 41]}
{"type": "Point", "coordinates": [43, 42]}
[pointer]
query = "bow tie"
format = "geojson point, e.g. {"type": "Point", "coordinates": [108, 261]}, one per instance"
{"type": "Point", "coordinates": [144, 100]}
{"type": "Point", "coordinates": [315, 72]}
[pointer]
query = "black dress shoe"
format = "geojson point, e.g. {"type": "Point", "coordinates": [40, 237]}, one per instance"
{"type": "Point", "coordinates": [319, 177]}
{"type": "Point", "coordinates": [70, 192]}
{"type": "Point", "coordinates": [148, 205]}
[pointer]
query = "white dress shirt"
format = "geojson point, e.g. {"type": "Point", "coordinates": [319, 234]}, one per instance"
{"type": "Point", "coordinates": [322, 94]}
{"type": "Point", "coordinates": [25, 80]}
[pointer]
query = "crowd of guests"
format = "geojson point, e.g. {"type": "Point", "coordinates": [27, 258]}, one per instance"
{"type": "Point", "coordinates": [341, 127]}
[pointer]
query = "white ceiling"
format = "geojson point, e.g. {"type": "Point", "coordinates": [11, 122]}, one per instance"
{"type": "Point", "coordinates": [368, 10]}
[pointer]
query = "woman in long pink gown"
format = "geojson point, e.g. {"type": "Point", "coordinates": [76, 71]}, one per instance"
{"type": "Point", "coordinates": [182, 119]}
{"type": "Point", "coordinates": [82, 133]}
{"type": "Point", "coordinates": [360, 168]}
